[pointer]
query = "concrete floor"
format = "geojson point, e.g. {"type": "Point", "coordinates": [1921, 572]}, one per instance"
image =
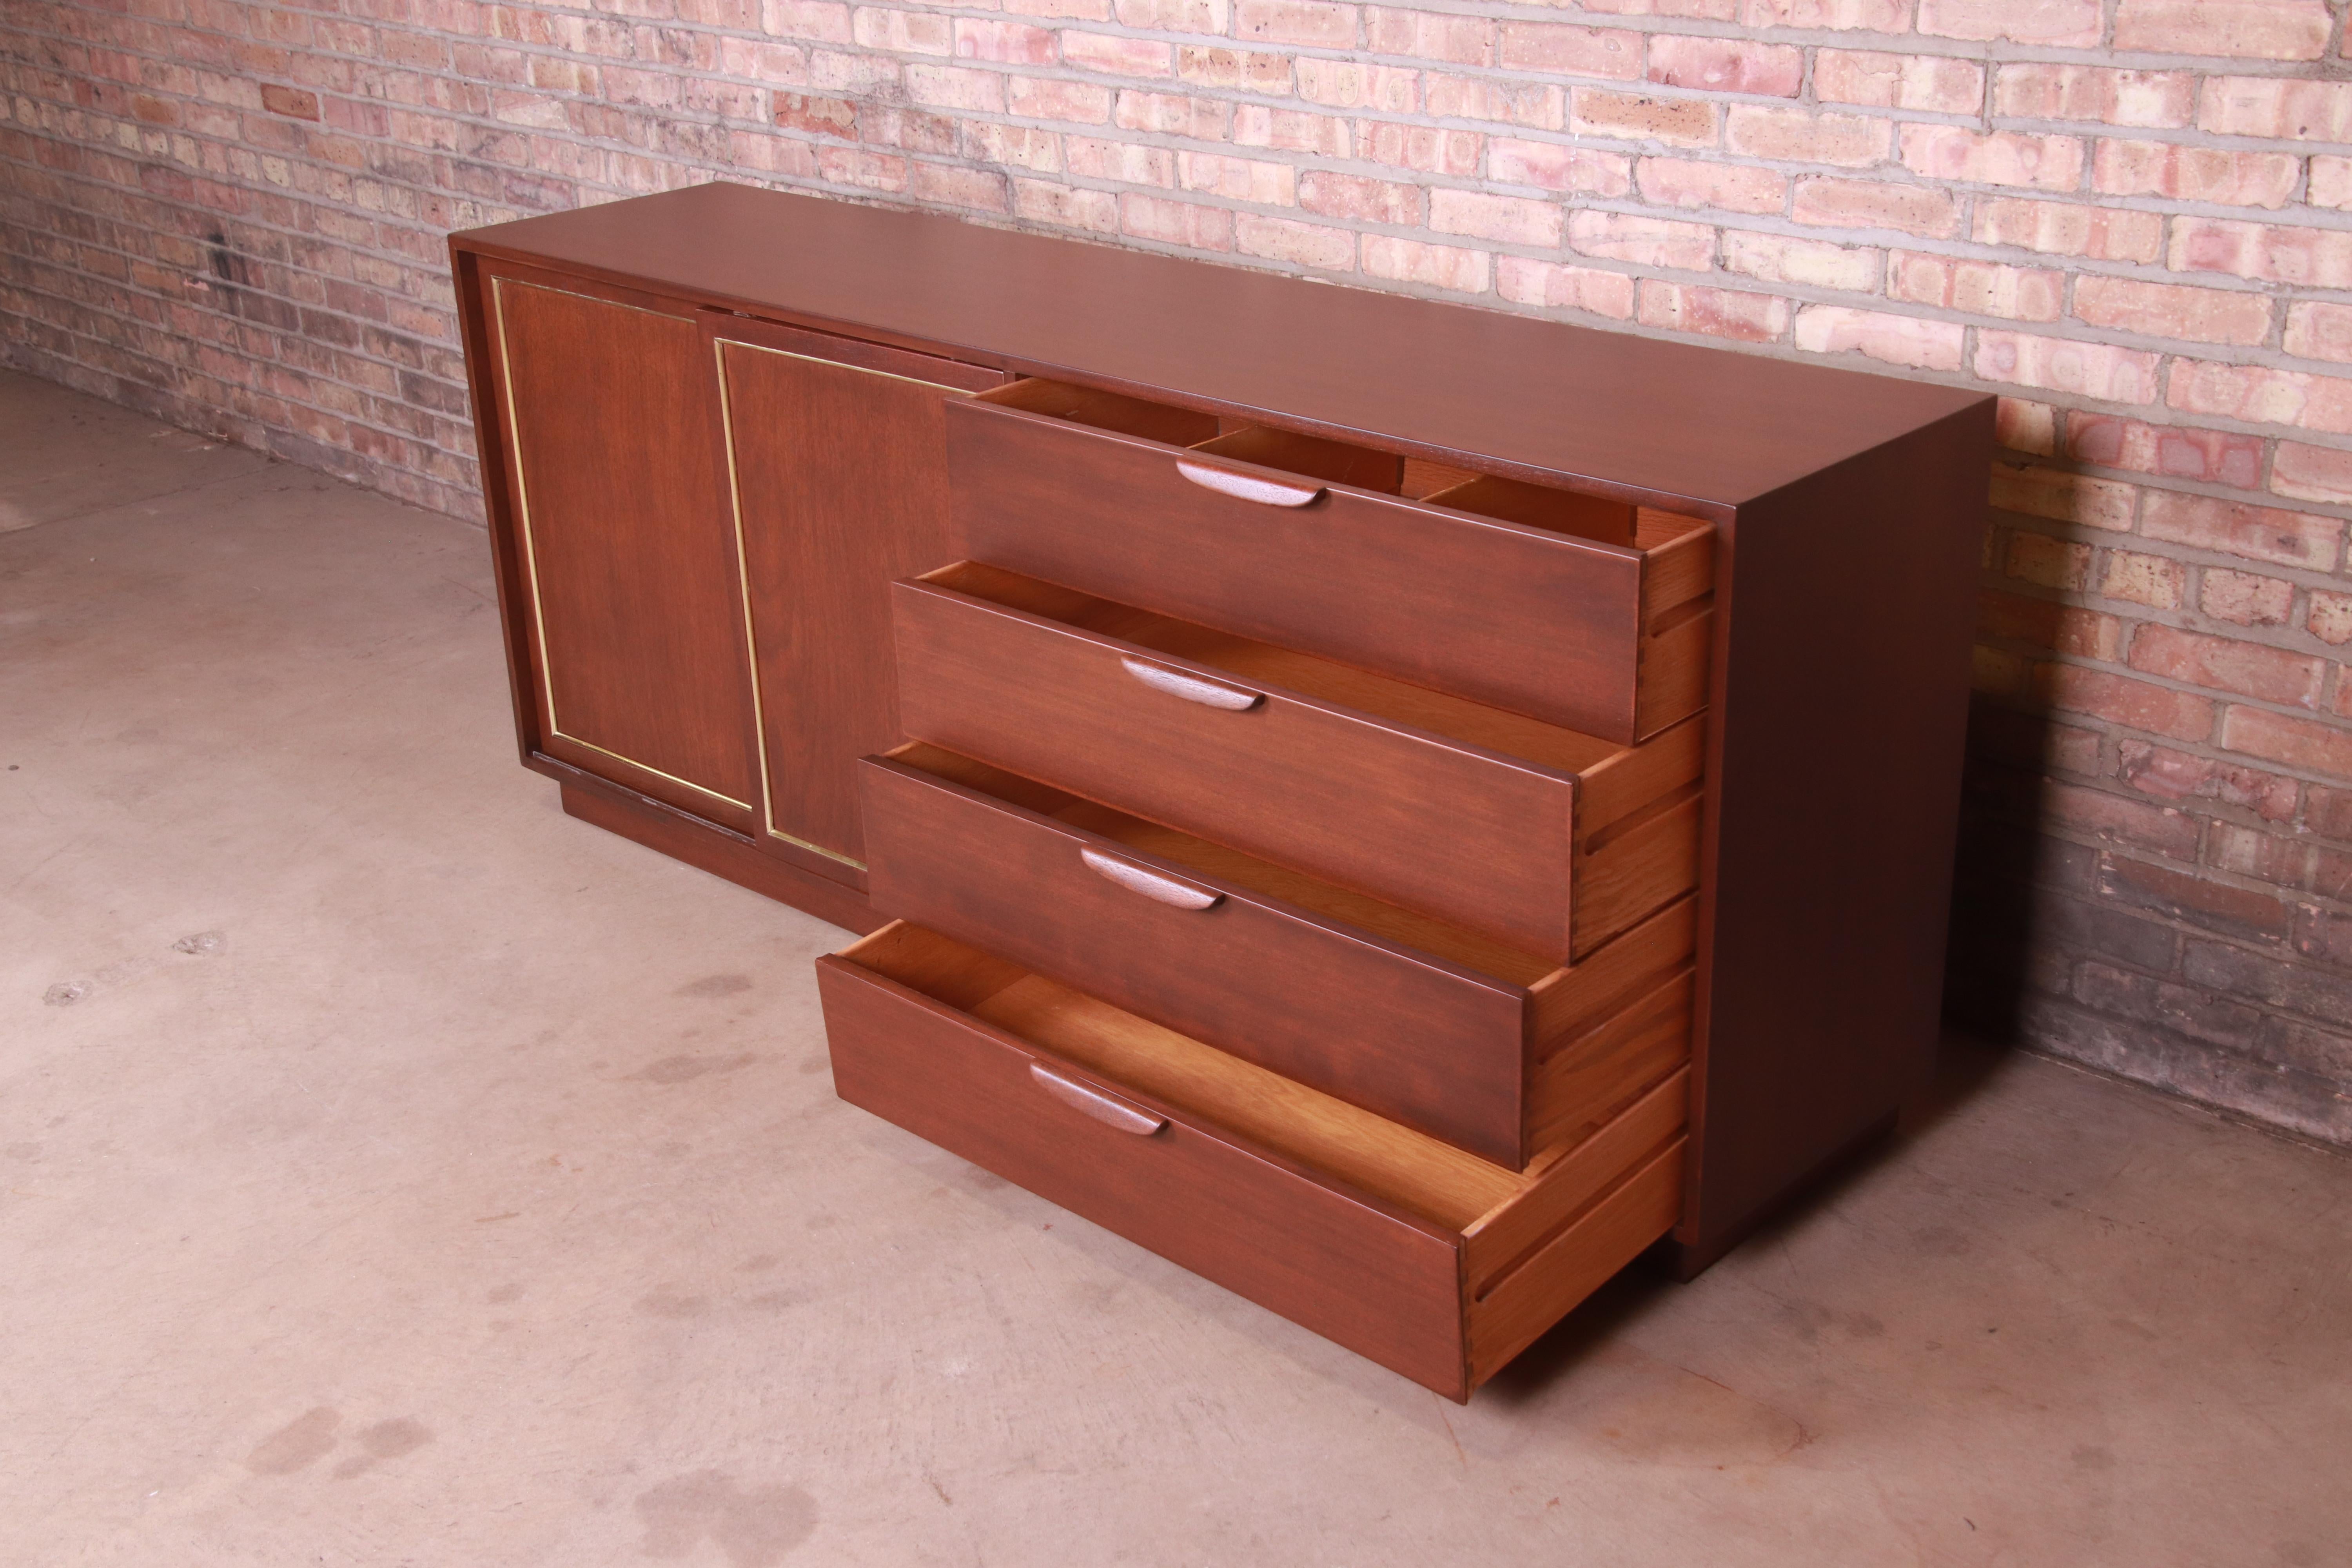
{"type": "Point", "coordinates": [393, 1170]}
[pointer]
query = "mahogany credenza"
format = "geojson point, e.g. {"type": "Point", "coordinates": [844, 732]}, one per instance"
{"type": "Point", "coordinates": [1399, 808]}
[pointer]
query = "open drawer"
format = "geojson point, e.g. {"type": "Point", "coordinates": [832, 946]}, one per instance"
{"type": "Point", "coordinates": [1583, 612]}
{"type": "Point", "coordinates": [1547, 839]}
{"type": "Point", "coordinates": [1484, 1046]}
{"type": "Point", "coordinates": [1434, 1264]}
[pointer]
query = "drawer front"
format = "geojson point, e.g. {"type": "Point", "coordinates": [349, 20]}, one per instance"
{"type": "Point", "coordinates": [1364, 1275]}
{"type": "Point", "coordinates": [1409, 1037]}
{"type": "Point", "coordinates": [1466, 836]}
{"type": "Point", "coordinates": [1539, 623]}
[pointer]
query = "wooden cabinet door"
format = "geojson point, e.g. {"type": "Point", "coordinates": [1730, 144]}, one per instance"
{"type": "Point", "coordinates": [624, 539]}
{"type": "Point", "coordinates": [837, 452]}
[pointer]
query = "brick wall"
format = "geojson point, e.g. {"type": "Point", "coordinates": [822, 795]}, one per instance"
{"type": "Point", "coordinates": [2132, 218]}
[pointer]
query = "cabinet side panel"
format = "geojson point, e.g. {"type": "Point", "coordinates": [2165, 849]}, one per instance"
{"type": "Point", "coordinates": [1841, 701]}
{"type": "Point", "coordinates": [493, 461]}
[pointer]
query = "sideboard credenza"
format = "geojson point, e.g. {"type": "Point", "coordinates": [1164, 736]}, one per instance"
{"type": "Point", "coordinates": [1398, 808]}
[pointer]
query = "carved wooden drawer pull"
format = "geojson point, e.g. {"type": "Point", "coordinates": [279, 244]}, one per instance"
{"type": "Point", "coordinates": [1150, 884]}
{"type": "Point", "coordinates": [1106, 1109]}
{"type": "Point", "coordinates": [1193, 688]}
{"type": "Point", "coordinates": [1247, 486]}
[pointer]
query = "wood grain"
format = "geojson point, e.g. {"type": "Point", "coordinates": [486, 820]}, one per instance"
{"type": "Point", "coordinates": [1364, 1273]}
{"type": "Point", "coordinates": [1467, 836]}
{"type": "Point", "coordinates": [1619, 1229]}
{"type": "Point", "coordinates": [634, 613]}
{"type": "Point", "coordinates": [1437, 598]}
{"type": "Point", "coordinates": [839, 486]}
{"type": "Point", "coordinates": [1401, 1033]}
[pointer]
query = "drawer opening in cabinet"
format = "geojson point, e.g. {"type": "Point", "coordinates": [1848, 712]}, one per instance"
{"type": "Point", "coordinates": [1554, 509]}
{"type": "Point", "coordinates": [1205, 1085]}
{"type": "Point", "coordinates": [1530, 1244]}
{"type": "Point", "coordinates": [1544, 873]}
{"type": "Point", "coordinates": [1225, 946]}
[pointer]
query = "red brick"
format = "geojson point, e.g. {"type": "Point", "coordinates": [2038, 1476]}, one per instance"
{"type": "Point", "coordinates": [1540, 106]}
{"type": "Point", "coordinates": [2133, 704]}
{"type": "Point", "coordinates": [291, 101]}
{"type": "Point", "coordinates": [2168, 775]}
{"type": "Point", "coordinates": [2272, 253]}
{"type": "Point", "coordinates": [1002, 43]}
{"type": "Point", "coordinates": [2170, 310]}
{"type": "Point", "coordinates": [1777, 258]}
{"type": "Point", "coordinates": [2215, 906]}
{"type": "Point", "coordinates": [2117, 819]}
{"type": "Point", "coordinates": [2102, 233]}
{"type": "Point", "coordinates": [1868, 204]}
{"type": "Point", "coordinates": [2053, 24]}
{"type": "Point", "coordinates": [2022, 424]}
{"type": "Point", "coordinates": [2051, 562]}
{"type": "Point", "coordinates": [1678, 122]}
{"type": "Point", "coordinates": [2318, 330]}
{"type": "Point", "coordinates": [2312, 473]}
{"type": "Point", "coordinates": [2063, 364]}
{"type": "Point", "coordinates": [1605, 52]}
{"type": "Point", "coordinates": [1115, 55]}
{"type": "Point", "coordinates": [2278, 108]}
{"type": "Point", "coordinates": [1259, 70]}
{"type": "Point", "coordinates": [820, 116]}
{"type": "Point", "coordinates": [1553, 287]}
{"type": "Point", "coordinates": [1125, 161]}
{"type": "Point", "coordinates": [1431, 35]}
{"type": "Point", "coordinates": [2047, 624]}
{"type": "Point", "coordinates": [1305, 244]}
{"type": "Point", "coordinates": [1933, 83]}
{"type": "Point", "coordinates": [1555, 166]}
{"type": "Point", "coordinates": [2254, 29]}
{"type": "Point", "coordinates": [1308, 22]}
{"type": "Point", "coordinates": [2331, 182]}
{"type": "Point", "coordinates": [2195, 174]}
{"type": "Point", "coordinates": [1188, 224]}
{"type": "Point", "coordinates": [1346, 84]}
{"type": "Point", "coordinates": [1401, 144]}
{"type": "Point", "coordinates": [2155, 100]}
{"type": "Point", "coordinates": [2330, 617]}
{"type": "Point", "coordinates": [2226, 664]}
{"type": "Point", "coordinates": [2231, 528]}
{"type": "Point", "coordinates": [1718, 313]}
{"type": "Point", "coordinates": [1978, 287]}
{"type": "Point", "coordinates": [1438, 266]}
{"type": "Point", "coordinates": [1995, 158]}
{"type": "Point", "coordinates": [2150, 580]}
{"type": "Point", "coordinates": [1644, 241]}
{"type": "Point", "coordinates": [1511, 220]}
{"type": "Point", "coordinates": [1910, 341]}
{"type": "Point", "coordinates": [1806, 136]}
{"type": "Point", "coordinates": [2215, 456]}
{"type": "Point", "coordinates": [2311, 744]}
{"type": "Point", "coordinates": [2246, 599]}
{"type": "Point", "coordinates": [2261, 395]}
{"type": "Point", "coordinates": [2328, 812]}
{"type": "Point", "coordinates": [2262, 857]}
{"type": "Point", "coordinates": [1238, 179]}
{"type": "Point", "coordinates": [1352, 197]}
{"type": "Point", "coordinates": [1691, 183]}
{"type": "Point", "coordinates": [1429, 149]}
{"type": "Point", "coordinates": [1829, 16]}
{"type": "Point", "coordinates": [1726, 65]}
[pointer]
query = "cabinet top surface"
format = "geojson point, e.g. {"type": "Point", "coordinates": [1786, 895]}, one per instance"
{"type": "Point", "coordinates": [1676, 419]}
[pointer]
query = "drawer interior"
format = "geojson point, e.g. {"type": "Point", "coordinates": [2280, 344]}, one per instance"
{"type": "Point", "coordinates": [1433, 1179]}
{"type": "Point", "coordinates": [1546, 507]}
{"type": "Point", "coordinates": [1382, 696]}
{"type": "Point", "coordinates": [1505, 1216]}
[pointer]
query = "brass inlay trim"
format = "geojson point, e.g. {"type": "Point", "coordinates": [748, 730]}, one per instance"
{"type": "Point", "coordinates": [718, 347]}
{"type": "Point", "coordinates": [531, 545]}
